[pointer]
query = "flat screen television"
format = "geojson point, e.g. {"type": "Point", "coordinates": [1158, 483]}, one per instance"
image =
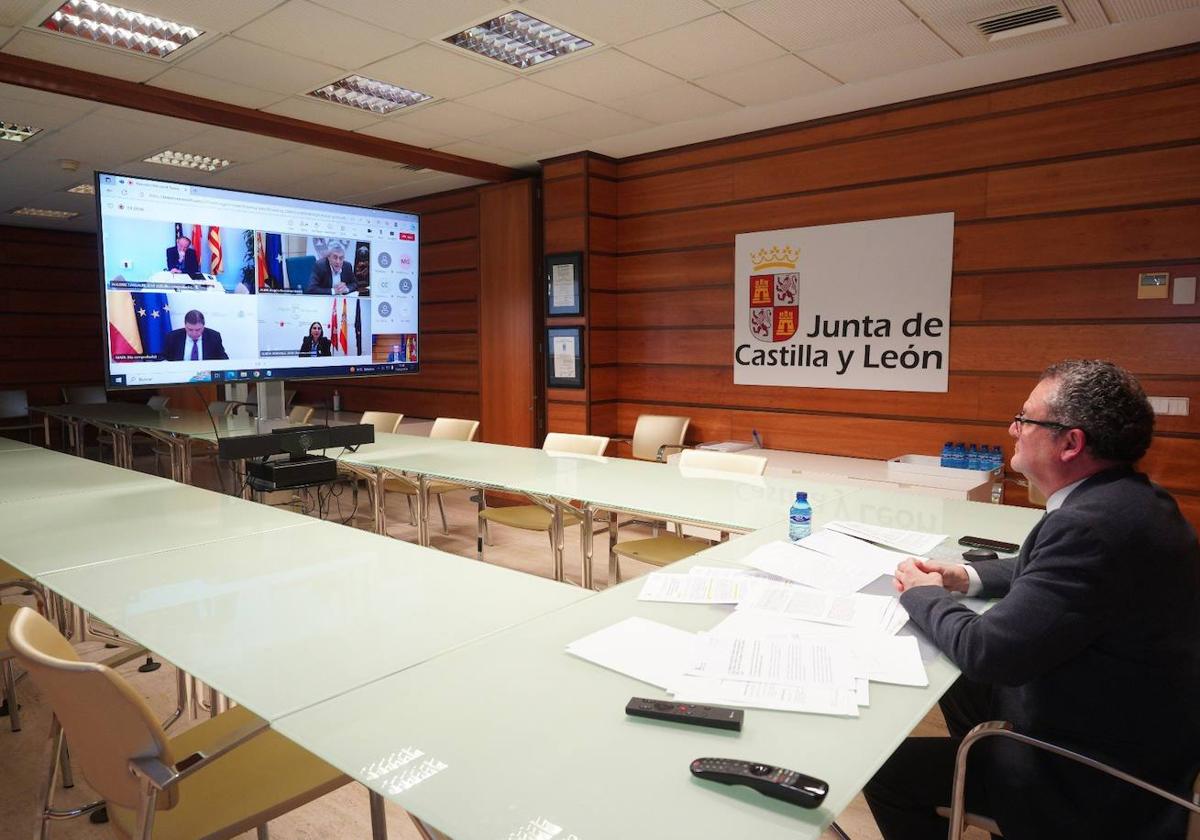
{"type": "Point", "coordinates": [213, 285]}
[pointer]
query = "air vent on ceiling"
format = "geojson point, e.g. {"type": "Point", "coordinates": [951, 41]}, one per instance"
{"type": "Point", "coordinates": [1023, 21]}
{"type": "Point", "coordinates": [412, 167]}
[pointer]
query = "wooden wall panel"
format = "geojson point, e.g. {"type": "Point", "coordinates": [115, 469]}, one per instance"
{"type": "Point", "coordinates": [569, 417]}
{"type": "Point", "coordinates": [1064, 189]}
{"type": "Point", "coordinates": [567, 196]}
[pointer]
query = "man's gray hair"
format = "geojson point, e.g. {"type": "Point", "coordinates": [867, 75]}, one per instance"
{"type": "Point", "coordinates": [1107, 403]}
{"type": "Point", "coordinates": [336, 249]}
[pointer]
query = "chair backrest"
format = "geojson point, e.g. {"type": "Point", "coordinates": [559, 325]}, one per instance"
{"type": "Point", "coordinates": [107, 723]}
{"type": "Point", "coordinates": [289, 397]}
{"type": "Point", "coordinates": [14, 404]}
{"type": "Point", "coordinates": [575, 444]}
{"type": "Point", "coordinates": [84, 394]}
{"type": "Point", "coordinates": [219, 408]}
{"type": "Point", "coordinates": [383, 421]}
{"type": "Point", "coordinates": [729, 462]}
{"type": "Point", "coordinates": [451, 428]}
{"type": "Point", "coordinates": [655, 430]}
{"type": "Point", "coordinates": [298, 270]}
{"type": "Point", "coordinates": [158, 402]}
{"type": "Point", "coordinates": [301, 413]}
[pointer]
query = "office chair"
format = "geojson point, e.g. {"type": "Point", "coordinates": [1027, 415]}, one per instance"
{"type": "Point", "coordinates": [225, 776]}
{"type": "Point", "coordinates": [445, 428]}
{"type": "Point", "coordinates": [539, 517]}
{"type": "Point", "coordinates": [14, 414]}
{"type": "Point", "coordinates": [666, 549]}
{"type": "Point", "coordinates": [655, 435]}
{"type": "Point", "coordinates": [960, 819]}
{"type": "Point", "coordinates": [300, 414]}
{"type": "Point", "coordinates": [384, 422]}
{"type": "Point", "coordinates": [158, 402]}
{"type": "Point", "coordinates": [86, 395]}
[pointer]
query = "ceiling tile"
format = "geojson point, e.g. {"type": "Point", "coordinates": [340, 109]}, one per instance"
{"type": "Point", "coordinates": [211, 15]}
{"type": "Point", "coordinates": [6, 32]}
{"type": "Point", "coordinates": [953, 20]}
{"type": "Point", "coordinates": [532, 139]}
{"type": "Point", "coordinates": [66, 51]}
{"type": "Point", "coordinates": [785, 77]}
{"type": "Point", "coordinates": [395, 128]}
{"type": "Point", "coordinates": [323, 113]}
{"type": "Point", "coordinates": [209, 87]}
{"type": "Point", "coordinates": [595, 121]}
{"type": "Point", "coordinates": [302, 28]}
{"type": "Point", "coordinates": [678, 103]}
{"type": "Point", "coordinates": [617, 21]}
{"type": "Point", "coordinates": [241, 146]}
{"type": "Point", "coordinates": [456, 120]}
{"type": "Point", "coordinates": [260, 67]}
{"type": "Point", "coordinates": [880, 53]}
{"type": "Point", "coordinates": [800, 24]}
{"type": "Point", "coordinates": [419, 20]}
{"type": "Point", "coordinates": [445, 73]}
{"type": "Point", "coordinates": [27, 106]}
{"type": "Point", "coordinates": [22, 12]}
{"type": "Point", "coordinates": [101, 140]}
{"type": "Point", "coordinates": [702, 47]}
{"type": "Point", "coordinates": [483, 151]}
{"type": "Point", "coordinates": [1120, 11]}
{"type": "Point", "coordinates": [524, 100]}
{"type": "Point", "coordinates": [604, 76]}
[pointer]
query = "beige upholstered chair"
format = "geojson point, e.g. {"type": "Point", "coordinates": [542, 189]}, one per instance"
{"type": "Point", "coordinates": [666, 549]}
{"type": "Point", "coordinates": [960, 818]}
{"type": "Point", "coordinates": [538, 517]}
{"type": "Point", "coordinates": [445, 428]}
{"type": "Point", "coordinates": [158, 402]}
{"type": "Point", "coordinates": [300, 414]}
{"type": "Point", "coordinates": [86, 395]}
{"type": "Point", "coordinates": [14, 414]}
{"type": "Point", "coordinates": [220, 778]}
{"type": "Point", "coordinates": [383, 421]}
{"type": "Point", "coordinates": [655, 436]}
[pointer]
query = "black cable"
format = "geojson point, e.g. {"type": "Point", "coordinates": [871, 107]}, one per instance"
{"type": "Point", "coordinates": [216, 434]}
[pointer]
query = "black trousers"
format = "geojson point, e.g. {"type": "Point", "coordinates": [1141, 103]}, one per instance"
{"type": "Point", "coordinates": [919, 776]}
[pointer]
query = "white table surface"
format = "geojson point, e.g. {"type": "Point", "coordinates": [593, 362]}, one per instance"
{"type": "Point", "coordinates": [41, 473]}
{"type": "Point", "coordinates": [10, 445]}
{"type": "Point", "coordinates": [528, 732]}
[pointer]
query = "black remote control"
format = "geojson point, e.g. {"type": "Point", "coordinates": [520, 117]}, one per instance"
{"type": "Point", "coordinates": [994, 545]}
{"type": "Point", "coordinates": [775, 782]}
{"type": "Point", "coordinates": [715, 717]}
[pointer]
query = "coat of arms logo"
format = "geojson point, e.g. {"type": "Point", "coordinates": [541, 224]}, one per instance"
{"type": "Point", "coordinates": [774, 297]}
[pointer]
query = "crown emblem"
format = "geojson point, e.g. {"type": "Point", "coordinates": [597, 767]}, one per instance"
{"type": "Point", "coordinates": [775, 257]}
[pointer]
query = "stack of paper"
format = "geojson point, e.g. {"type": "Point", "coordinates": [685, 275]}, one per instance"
{"type": "Point", "coordinates": [911, 542]}
{"type": "Point", "coordinates": [812, 566]}
{"type": "Point", "coordinates": [879, 613]}
{"type": "Point", "coordinates": [701, 585]}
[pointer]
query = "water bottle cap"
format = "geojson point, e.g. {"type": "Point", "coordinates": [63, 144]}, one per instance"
{"type": "Point", "coordinates": [801, 496]}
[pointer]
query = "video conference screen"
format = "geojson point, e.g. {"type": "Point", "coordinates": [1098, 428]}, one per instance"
{"type": "Point", "coordinates": [212, 285]}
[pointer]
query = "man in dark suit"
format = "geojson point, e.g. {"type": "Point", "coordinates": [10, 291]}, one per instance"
{"type": "Point", "coordinates": [1094, 644]}
{"type": "Point", "coordinates": [182, 259]}
{"type": "Point", "coordinates": [331, 276]}
{"type": "Point", "coordinates": [195, 342]}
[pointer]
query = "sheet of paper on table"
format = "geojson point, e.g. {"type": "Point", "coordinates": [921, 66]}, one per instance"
{"type": "Point", "coordinates": [813, 568]}
{"type": "Point", "coordinates": [639, 648]}
{"type": "Point", "coordinates": [912, 542]}
{"type": "Point", "coordinates": [882, 613]}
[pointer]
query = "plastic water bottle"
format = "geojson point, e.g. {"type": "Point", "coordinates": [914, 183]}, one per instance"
{"type": "Point", "coordinates": [800, 518]}
{"type": "Point", "coordinates": [997, 458]}
{"type": "Point", "coordinates": [960, 456]}
{"type": "Point", "coordinates": [948, 455]}
{"type": "Point", "coordinates": [973, 458]}
{"type": "Point", "coordinates": [337, 401]}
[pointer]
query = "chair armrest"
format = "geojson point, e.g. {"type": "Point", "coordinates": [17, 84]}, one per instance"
{"type": "Point", "coordinates": [661, 456]}
{"type": "Point", "coordinates": [1003, 728]}
{"type": "Point", "coordinates": [163, 776]}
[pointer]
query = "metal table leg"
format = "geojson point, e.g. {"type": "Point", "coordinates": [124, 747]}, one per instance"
{"type": "Point", "coordinates": [422, 510]}
{"type": "Point", "coordinates": [586, 537]}
{"type": "Point", "coordinates": [377, 502]}
{"type": "Point", "coordinates": [557, 532]}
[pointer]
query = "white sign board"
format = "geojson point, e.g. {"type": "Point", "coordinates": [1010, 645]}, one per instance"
{"type": "Point", "coordinates": [861, 305]}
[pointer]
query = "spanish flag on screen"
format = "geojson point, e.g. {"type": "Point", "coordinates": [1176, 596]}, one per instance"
{"type": "Point", "coordinates": [123, 336]}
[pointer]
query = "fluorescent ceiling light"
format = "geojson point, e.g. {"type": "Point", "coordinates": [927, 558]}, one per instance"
{"type": "Point", "coordinates": [369, 94]}
{"type": "Point", "coordinates": [115, 26]}
{"type": "Point", "coordinates": [519, 40]}
{"type": "Point", "coordinates": [83, 189]}
{"type": "Point", "coordinates": [188, 161]}
{"type": "Point", "coordinates": [16, 133]}
{"type": "Point", "coordinates": [44, 214]}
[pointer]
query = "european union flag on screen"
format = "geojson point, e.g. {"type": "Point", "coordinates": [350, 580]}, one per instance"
{"type": "Point", "coordinates": [274, 246]}
{"type": "Point", "coordinates": [153, 320]}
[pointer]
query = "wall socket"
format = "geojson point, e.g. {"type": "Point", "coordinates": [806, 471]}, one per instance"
{"type": "Point", "coordinates": [1174, 406]}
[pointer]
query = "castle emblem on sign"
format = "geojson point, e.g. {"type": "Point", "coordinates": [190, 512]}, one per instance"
{"type": "Point", "coordinates": [774, 297]}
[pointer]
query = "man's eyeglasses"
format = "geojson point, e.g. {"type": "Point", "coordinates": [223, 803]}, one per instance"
{"type": "Point", "coordinates": [1022, 420]}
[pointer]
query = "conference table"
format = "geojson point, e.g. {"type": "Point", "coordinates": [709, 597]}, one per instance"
{"type": "Point", "coordinates": [440, 682]}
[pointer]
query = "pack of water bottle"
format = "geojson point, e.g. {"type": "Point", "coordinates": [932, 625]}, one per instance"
{"type": "Point", "coordinates": [977, 457]}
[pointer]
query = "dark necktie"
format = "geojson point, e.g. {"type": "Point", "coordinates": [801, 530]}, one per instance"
{"type": "Point", "coordinates": [195, 351]}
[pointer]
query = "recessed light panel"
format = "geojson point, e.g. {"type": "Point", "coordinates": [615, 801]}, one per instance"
{"type": "Point", "coordinates": [518, 40]}
{"type": "Point", "coordinates": [43, 214]}
{"type": "Point", "coordinates": [16, 133]}
{"type": "Point", "coordinates": [369, 94]}
{"type": "Point", "coordinates": [187, 160]}
{"type": "Point", "coordinates": [83, 189]}
{"type": "Point", "coordinates": [104, 23]}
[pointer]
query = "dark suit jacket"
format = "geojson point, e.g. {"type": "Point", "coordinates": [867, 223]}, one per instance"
{"type": "Point", "coordinates": [321, 281]}
{"type": "Point", "coordinates": [191, 265]}
{"type": "Point", "coordinates": [1095, 646]}
{"type": "Point", "coordinates": [323, 348]}
{"type": "Point", "coordinates": [178, 347]}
